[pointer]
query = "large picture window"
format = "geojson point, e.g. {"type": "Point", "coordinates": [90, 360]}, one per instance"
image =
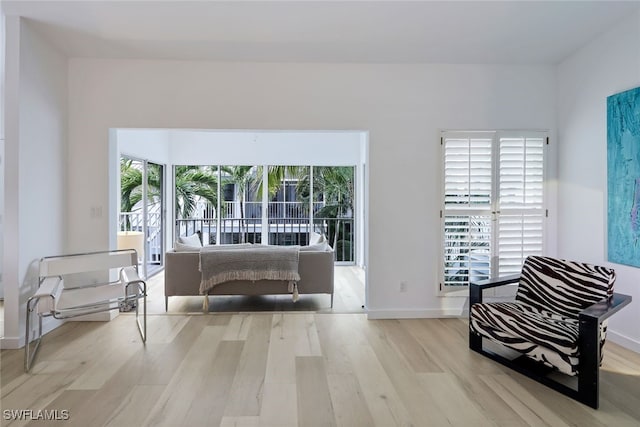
{"type": "Point", "coordinates": [493, 205]}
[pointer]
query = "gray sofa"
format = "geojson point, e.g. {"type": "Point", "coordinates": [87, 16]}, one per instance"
{"type": "Point", "coordinates": [182, 277]}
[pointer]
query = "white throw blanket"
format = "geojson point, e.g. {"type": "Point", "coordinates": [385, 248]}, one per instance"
{"type": "Point", "coordinates": [247, 262]}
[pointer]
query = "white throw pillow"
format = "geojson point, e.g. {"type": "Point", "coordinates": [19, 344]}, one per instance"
{"type": "Point", "coordinates": [228, 247]}
{"type": "Point", "coordinates": [315, 238]}
{"type": "Point", "coordinates": [181, 247]}
{"type": "Point", "coordinates": [193, 240]}
{"type": "Point", "coordinates": [318, 247]}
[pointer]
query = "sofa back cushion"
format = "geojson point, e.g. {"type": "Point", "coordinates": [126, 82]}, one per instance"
{"type": "Point", "coordinates": [181, 247]}
{"type": "Point", "coordinates": [317, 244]}
{"type": "Point", "coordinates": [563, 287]}
{"type": "Point", "coordinates": [192, 240]}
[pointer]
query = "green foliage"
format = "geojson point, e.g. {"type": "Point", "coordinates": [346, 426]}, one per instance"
{"type": "Point", "coordinates": [336, 184]}
{"type": "Point", "coordinates": [131, 184]}
{"type": "Point", "coordinates": [276, 176]}
{"type": "Point", "coordinates": [192, 182]}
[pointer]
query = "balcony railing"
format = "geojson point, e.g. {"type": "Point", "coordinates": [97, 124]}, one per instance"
{"type": "Point", "coordinates": [288, 225]}
{"type": "Point", "coordinates": [133, 221]}
{"type": "Point", "coordinates": [297, 210]}
{"type": "Point", "coordinates": [282, 231]}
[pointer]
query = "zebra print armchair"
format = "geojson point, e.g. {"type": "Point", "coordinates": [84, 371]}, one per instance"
{"type": "Point", "coordinates": [557, 322]}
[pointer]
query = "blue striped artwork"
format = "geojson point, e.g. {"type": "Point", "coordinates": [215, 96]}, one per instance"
{"type": "Point", "coordinates": [623, 177]}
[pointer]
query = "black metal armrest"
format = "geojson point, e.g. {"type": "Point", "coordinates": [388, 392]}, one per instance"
{"type": "Point", "coordinates": [498, 281]}
{"type": "Point", "coordinates": [476, 288]}
{"type": "Point", "coordinates": [605, 308]}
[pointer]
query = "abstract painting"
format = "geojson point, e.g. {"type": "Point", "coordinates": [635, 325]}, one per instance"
{"type": "Point", "coordinates": [623, 177]}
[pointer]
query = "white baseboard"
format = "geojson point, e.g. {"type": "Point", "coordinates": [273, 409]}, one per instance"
{"type": "Point", "coordinates": [48, 325]}
{"type": "Point", "coordinates": [623, 341]}
{"type": "Point", "coordinates": [11, 343]}
{"type": "Point", "coordinates": [415, 314]}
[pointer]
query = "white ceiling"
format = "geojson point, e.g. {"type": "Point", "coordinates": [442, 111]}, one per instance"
{"type": "Point", "coordinates": [506, 32]}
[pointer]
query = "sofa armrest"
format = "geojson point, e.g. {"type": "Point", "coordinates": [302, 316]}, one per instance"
{"type": "Point", "coordinates": [316, 272]}
{"type": "Point", "coordinates": [181, 273]}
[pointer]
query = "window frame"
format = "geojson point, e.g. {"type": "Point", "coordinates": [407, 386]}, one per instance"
{"type": "Point", "coordinates": [494, 204]}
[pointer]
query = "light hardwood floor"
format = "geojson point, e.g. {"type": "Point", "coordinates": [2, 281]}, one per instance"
{"type": "Point", "coordinates": [294, 369]}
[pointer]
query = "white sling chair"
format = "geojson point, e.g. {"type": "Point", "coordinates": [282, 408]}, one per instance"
{"type": "Point", "coordinates": [63, 300]}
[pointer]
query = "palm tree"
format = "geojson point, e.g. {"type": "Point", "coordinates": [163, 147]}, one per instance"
{"type": "Point", "coordinates": [192, 182]}
{"type": "Point", "coordinates": [336, 185]}
{"type": "Point", "coordinates": [243, 178]}
{"type": "Point", "coordinates": [276, 176]}
{"type": "Point", "coordinates": [131, 184]}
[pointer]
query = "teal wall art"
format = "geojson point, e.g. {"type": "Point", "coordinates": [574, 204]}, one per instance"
{"type": "Point", "coordinates": [623, 177]}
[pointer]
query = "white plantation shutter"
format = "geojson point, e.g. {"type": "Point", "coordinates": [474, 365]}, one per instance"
{"type": "Point", "coordinates": [493, 203]}
{"type": "Point", "coordinates": [467, 216]}
{"type": "Point", "coordinates": [520, 200]}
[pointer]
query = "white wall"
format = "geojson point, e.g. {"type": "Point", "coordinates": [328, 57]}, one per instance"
{"type": "Point", "coordinates": [149, 144]}
{"type": "Point", "coordinates": [401, 106]}
{"type": "Point", "coordinates": [316, 148]}
{"type": "Point", "coordinates": [35, 184]}
{"type": "Point", "coordinates": [2, 76]}
{"type": "Point", "coordinates": [608, 65]}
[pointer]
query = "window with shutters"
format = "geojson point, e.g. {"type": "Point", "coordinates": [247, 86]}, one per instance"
{"type": "Point", "coordinates": [493, 211]}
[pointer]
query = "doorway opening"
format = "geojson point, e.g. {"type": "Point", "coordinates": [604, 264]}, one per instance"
{"type": "Point", "coordinates": [267, 187]}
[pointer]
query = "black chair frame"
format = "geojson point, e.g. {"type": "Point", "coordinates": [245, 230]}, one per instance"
{"type": "Point", "coordinates": [590, 319]}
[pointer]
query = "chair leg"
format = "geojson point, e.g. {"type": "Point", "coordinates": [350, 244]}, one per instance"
{"type": "Point", "coordinates": [589, 368]}
{"type": "Point", "coordinates": [475, 341]}
{"type": "Point", "coordinates": [142, 328]}
{"type": "Point", "coordinates": [475, 296]}
{"type": "Point", "coordinates": [29, 354]}
{"type": "Point", "coordinates": [166, 303]}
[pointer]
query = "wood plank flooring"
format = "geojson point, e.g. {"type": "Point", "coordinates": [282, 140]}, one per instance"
{"type": "Point", "coordinates": [294, 369]}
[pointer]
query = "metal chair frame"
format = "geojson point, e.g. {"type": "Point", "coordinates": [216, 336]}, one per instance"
{"type": "Point", "coordinates": [134, 289]}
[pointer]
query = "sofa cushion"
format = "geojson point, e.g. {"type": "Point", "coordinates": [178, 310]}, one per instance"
{"type": "Point", "coordinates": [318, 247]}
{"type": "Point", "coordinates": [541, 335]}
{"type": "Point", "coordinates": [316, 243]}
{"type": "Point", "coordinates": [315, 238]}
{"type": "Point", "coordinates": [181, 247]}
{"type": "Point", "coordinates": [192, 240]}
